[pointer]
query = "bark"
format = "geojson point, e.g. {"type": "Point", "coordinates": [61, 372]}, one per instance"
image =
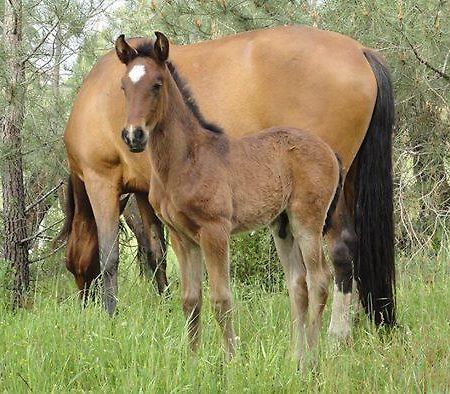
{"type": "Point", "coordinates": [15, 251]}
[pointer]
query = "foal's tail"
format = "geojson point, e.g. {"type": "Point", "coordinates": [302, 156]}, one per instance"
{"type": "Point", "coordinates": [373, 204]}
{"type": "Point", "coordinates": [333, 205]}
{"type": "Point", "coordinates": [69, 211]}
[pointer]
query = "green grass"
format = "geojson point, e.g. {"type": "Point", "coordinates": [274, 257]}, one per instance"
{"type": "Point", "coordinates": [55, 346]}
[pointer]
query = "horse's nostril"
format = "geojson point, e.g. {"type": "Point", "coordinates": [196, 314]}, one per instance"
{"type": "Point", "coordinates": [138, 134]}
{"type": "Point", "coordinates": [125, 136]}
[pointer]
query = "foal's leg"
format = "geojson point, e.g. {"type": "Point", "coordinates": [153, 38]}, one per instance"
{"type": "Point", "coordinates": [190, 261]}
{"type": "Point", "coordinates": [341, 240]}
{"type": "Point", "coordinates": [155, 235]}
{"type": "Point", "coordinates": [295, 273]}
{"type": "Point", "coordinates": [214, 242]}
{"type": "Point", "coordinates": [317, 275]}
{"type": "Point", "coordinates": [103, 194]}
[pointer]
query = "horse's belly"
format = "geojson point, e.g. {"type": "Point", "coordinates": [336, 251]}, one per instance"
{"type": "Point", "coordinates": [259, 211]}
{"type": "Point", "coordinates": [253, 223]}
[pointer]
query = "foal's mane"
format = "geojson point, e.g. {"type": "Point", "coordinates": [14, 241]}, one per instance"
{"type": "Point", "coordinates": [145, 49]}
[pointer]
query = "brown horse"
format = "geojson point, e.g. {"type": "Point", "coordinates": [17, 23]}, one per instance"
{"type": "Point", "coordinates": [205, 186]}
{"type": "Point", "coordinates": [297, 76]}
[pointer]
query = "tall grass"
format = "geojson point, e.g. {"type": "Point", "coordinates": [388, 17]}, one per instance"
{"type": "Point", "coordinates": [56, 346]}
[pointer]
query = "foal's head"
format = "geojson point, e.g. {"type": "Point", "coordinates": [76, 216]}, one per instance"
{"type": "Point", "coordinates": [144, 88]}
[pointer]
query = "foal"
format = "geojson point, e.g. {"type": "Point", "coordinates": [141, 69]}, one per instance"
{"type": "Point", "coordinates": [206, 186]}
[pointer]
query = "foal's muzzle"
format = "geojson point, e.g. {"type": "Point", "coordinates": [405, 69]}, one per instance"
{"type": "Point", "coordinates": [135, 138]}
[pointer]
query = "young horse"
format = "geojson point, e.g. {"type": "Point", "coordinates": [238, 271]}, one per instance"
{"type": "Point", "coordinates": [206, 186]}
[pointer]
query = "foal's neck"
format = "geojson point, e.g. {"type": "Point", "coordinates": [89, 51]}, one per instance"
{"type": "Point", "coordinates": [177, 136]}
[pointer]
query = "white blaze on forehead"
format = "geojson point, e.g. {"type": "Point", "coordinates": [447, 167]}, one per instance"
{"type": "Point", "coordinates": [136, 72]}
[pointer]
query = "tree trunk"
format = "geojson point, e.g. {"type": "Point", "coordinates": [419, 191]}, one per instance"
{"type": "Point", "coordinates": [15, 251]}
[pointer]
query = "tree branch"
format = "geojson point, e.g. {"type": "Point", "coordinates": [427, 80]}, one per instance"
{"type": "Point", "coordinates": [424, 62]}
{"type": "Point", "coordinates": [61, 182]}
{"type": "Point", "coordinates": [54, 251]}
{"type": "Point", "coordinates": [36, 48]}
{"type": "Point", "coordinates": [22, 241]}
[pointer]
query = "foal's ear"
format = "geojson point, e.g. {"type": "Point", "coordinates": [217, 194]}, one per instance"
{"type": "Point", "coordinates": [124, 51]}
{"type": "Point", "coordinates": [161, 47]}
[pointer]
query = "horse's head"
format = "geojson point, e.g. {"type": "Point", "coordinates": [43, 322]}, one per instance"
{"type": "Point", "coordinates": [144, 88]}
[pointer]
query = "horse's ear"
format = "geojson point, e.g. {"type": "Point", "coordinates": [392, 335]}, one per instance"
{"type": "Point", "coordinates": [161, 47]}
{"type": "Point", "coordinates": [124, 51]}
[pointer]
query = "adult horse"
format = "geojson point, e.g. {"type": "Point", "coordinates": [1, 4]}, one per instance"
{"type": "Point", "coordinates": [297, 76]}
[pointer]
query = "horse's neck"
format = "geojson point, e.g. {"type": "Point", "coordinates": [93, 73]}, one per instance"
{"type": "Point", "coordinates": [177, 134]}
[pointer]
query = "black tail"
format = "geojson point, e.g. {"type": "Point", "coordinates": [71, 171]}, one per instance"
{"type": "Point", "coordinates": [375, 260]}
{"type": "Point", "coordinates": [69, 211]}
{"type": "Point", "coordinates": [333, 205]}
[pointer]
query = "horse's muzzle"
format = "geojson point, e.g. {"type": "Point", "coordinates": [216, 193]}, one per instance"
{"type": "Point", "coordinates": [135, 139]}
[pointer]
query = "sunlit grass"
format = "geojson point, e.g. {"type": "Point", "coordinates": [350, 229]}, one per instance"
{"type": "Point", "coordinates": [56, 346]}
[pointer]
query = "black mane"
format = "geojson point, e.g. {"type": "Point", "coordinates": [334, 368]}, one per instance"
{"type": "Point", "coordinates": [145, 49]}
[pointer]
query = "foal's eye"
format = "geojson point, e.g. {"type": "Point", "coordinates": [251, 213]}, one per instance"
{"type": "Point", "coordinates": [156, 87]}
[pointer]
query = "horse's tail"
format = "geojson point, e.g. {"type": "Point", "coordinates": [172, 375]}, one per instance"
{"type": "Point", "coordinates": [333, 205]}
{"type": "Point", "coordinates": [373, 204]}
{"type": "Point", "coordinates": [69, 211]}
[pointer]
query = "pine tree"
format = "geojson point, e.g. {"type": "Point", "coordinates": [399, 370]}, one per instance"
{"type": "Point", "coordinates": [15, 248]}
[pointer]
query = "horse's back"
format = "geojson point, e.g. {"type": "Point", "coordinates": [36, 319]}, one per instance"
{"type": "Point", "coordinates": [280, 138]}
{"type": "Point", "coordinates": [296, 75]}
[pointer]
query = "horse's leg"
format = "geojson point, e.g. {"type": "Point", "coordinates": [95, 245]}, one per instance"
{"type": "Point", "coordinates": [146, 262]}
{"type": "Point", "coordinates": [341, 240]}
{"type": "Point", "coordinates": [214, 242]}
{"type": "Point", "coordinates": [318, 276]}
{"type": "Point", "coordinates": [155, 235]}
{"type": "Point", "coordinates": [190, 261]}
{"type": "Point", "coordinates": [295, 273]}
{"type": "Point", "coordinates": [104, 195]}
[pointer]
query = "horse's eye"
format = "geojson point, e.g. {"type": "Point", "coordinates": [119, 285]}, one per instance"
{"type": "Point", "coordinates": [156, 87]}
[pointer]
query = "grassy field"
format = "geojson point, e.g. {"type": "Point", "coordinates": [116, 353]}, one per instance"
{"type": "Point", "coordinates": [55, 346]}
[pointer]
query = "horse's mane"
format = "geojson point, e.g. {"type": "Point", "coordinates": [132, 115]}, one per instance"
{"type": "Point", "coordinates": [145, 49]}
